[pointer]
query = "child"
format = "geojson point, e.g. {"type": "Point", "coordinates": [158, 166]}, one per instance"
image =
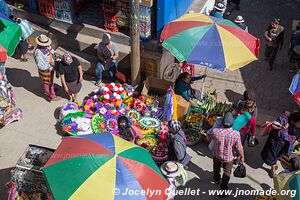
{"type": "Point", "coordinates": [177, 143]}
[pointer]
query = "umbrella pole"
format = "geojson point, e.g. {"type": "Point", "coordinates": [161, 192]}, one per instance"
{"type": "Point", "coordinates": [203, 84]}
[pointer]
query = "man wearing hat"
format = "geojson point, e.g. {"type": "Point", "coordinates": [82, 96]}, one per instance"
{"type": "Point", "coordinates": [218, 11]}
{"type": "Point", "coordinates": [44, 59]}
{"type": "Point", "coordinates": [239, 20]}
{"type": "Point", "coordinates": [225, 140]}
{"type": "Point", "coordinates": [107, 54]}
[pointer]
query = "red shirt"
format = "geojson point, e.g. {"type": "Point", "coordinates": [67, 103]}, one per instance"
{"type": "Point", "coordinates": [250, 127]}
{"type": "Point", "coordinates": [225, 140]}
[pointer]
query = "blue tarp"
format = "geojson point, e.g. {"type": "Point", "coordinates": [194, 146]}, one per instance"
{"type": "Point", "coordinates": [169, 10]}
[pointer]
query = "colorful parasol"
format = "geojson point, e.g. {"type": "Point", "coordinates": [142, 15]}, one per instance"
{"type": "Point", "coordinates": [10, 34]}
{"type": "Point", "coordinates": [215, 43]}
{"type": "Point", "coordinates": [3, 54]}
{"type": "Point", "coordinates": [95, 166]}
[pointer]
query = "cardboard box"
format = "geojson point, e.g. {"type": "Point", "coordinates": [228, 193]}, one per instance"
{"type": "Point", "coordinates": [182, 107]}
{"type": "Point", "coordinates": [147, 3]}
{"type": "Point", "coordinates": [156, 87]}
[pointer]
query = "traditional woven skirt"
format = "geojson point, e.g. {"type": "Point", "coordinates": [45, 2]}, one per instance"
{"type": "Point", "coordinates": [45, 75]}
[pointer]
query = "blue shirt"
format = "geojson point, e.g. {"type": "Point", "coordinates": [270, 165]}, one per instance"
{"type": "Point", "coordinates": [216, 14]}
{"type": "Point", "coordinates": [183, 88]}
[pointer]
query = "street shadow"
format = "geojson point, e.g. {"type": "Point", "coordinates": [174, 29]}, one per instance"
{"type": "Point", "coordinates": [201, 149]}
{"type": "Point", "coordinates": [233, 96]}
{"type": "Point", "coordinates": [23, 78]}
{"type": "Point", "coordinates": [5, 178]}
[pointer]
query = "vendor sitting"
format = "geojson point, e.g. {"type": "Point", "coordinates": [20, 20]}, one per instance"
{"type": "Point", "coordinates": [125, 131]}
{"type": "Point", "coordinates": [183, 87]}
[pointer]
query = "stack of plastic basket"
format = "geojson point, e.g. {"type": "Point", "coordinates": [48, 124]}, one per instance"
{"type": "Point", "coordinates": [46, 8]}
{"type": "Point", "coordinates": [110, 19]}
{"type": "Point", "coordinates": [64, 10]}
{"type": "Point", "coordinates": [145, 23]}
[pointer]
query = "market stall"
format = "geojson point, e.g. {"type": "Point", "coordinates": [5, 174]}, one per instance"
{"type": "Point", "coordinates": [8, 110]}
{"type": "Point", "coordinates": [27, 179]}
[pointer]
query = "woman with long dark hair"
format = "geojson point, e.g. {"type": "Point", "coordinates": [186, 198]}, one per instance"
{"type": "Point", "coordinates": [183, 87]}
{"type": "Point", "coordinates": [281, 140]}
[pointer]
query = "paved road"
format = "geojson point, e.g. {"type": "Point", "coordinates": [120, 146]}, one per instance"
{"type": "Point", "coordinates": [39, 125]}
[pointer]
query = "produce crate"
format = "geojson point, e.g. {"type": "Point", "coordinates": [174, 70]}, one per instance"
{"type": "Point", "coordinates": [46, 8]}
{"type": "Point", "coordinates": [195, 117]}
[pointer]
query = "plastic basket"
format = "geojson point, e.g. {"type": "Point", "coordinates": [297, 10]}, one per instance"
{"type": "Point", "coordinates": [65, 5]}
{"type": "Point", "coordinates": [46, 8]}
{"type": "Point", "coordinates": [190, 131]}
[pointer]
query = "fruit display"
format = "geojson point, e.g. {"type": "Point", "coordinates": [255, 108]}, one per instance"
{"type": "Point", "coordinates": [221, 108]}
{"type": "Point", "coordinates": [211, 119]}
{"type": "Point", "coordinates": [209, 101]}
{"type": "Point", "coordinates": [192, 136]}
{"type": "Point", "coordinates": [195, 117]}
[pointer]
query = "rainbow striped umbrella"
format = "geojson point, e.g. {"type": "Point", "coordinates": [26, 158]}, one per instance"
{"type": "Point", "coordinates": [214, 43]}
{"type": "Point", "coordinates": [103, 166]}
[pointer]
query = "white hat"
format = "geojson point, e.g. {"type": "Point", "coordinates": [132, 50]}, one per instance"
{"type": "Point", "coordinates": [43, 40]}
{"type": "Point", "coordinates": [106, 38]}
{"type": "Point", "coordinates": [220, 7]}
{"type": "Point", "coordinates": [239, 19]}
{"type": "Point", "coordinates": [170, 169]}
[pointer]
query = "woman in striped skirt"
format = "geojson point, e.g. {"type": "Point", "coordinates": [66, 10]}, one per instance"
{"type": "Point", "coordinates": [44, 58]}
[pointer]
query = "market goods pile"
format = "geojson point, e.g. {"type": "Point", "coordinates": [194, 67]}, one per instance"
{"type": "Point", "coordinates": [99, 113]}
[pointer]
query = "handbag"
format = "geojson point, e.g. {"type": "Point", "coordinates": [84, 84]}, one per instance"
{"type": "Point", "coordinates": [240, 171]}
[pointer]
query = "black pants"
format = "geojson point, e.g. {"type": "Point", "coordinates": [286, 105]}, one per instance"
{"type": "Point", "coordinates": [271, 53]}
{"type": "Point", "coordinates": [227, 168]}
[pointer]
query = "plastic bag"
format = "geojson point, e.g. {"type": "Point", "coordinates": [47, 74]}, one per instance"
{"type": "Point", "coordinates": [240, 171]}
{"type": "Point", "coordinates": [297, 98]}
{"type": "Point", "coordinates": [266, 128]}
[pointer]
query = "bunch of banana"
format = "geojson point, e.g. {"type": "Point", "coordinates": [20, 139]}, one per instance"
{"type": "Point", "coordinates": [221, 108]}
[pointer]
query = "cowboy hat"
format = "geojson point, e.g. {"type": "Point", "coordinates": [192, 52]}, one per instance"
{"type": "Point", "coordinates": [220, 7]}
{"type": "Point", "coordinates": [43, 40]}
{"type": "Point", "coordinates": [170, 169]}
{"type": "Point", "coordinates": [239, 19]}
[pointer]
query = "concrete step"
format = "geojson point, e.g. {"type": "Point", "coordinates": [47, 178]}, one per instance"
{"type": "Point", "coordinates": [81, 46]}
{"type": "Point", "coordinates": [70, 27]}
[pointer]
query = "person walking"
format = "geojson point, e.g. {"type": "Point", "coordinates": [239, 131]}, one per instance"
{"type": "Point", "coordinates": [71, 76]}
{"type": "Point", "coordinates": [183, 87]}
{"type": "Point", "coordinates": [177, 143]}
{"type": "Point", "coordinates": [44, 59]}
{"type": "Point", "coordinates": [274, 36]}
{"type": "Point", "coordinates": [26, 32]}
{"type": "Point", "coordinates": [281, 139]}
{"type": "Point", "coordinates": [218, 11]}
{"type": "Point", "coordinates": [239, 20]}
{"type": "Point", "coordinates": [107, 54]}
{"type": "Point", "coordinates": [225, 140]}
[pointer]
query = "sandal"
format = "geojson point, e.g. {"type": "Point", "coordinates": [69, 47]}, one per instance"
{"type": "Point", "coordinates": [98, 83]}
